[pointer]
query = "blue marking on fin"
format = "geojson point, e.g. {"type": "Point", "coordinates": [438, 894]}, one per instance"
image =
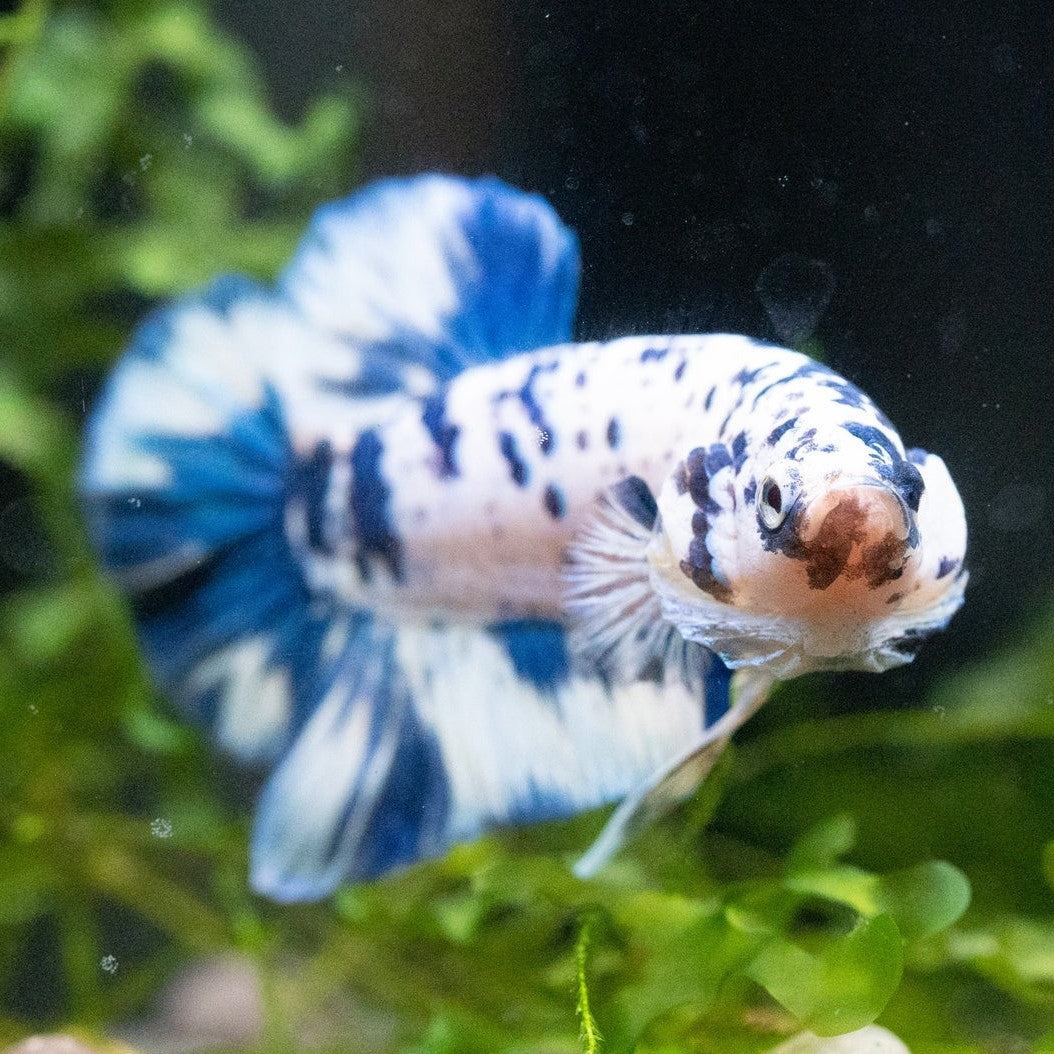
{"type": "Point", "coordinates": [369, 506]}
{"type": "Point", "coordinates": [718, 687]}
{"type": "Point", "coordinates": [426, 736]}
{"type": "Point", "coordinates": [537, 649]}
{"type": "Point", "coordinates": [440, 271]}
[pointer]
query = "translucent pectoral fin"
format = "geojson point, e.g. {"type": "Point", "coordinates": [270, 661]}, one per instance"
{"type": "Point", "coordinates": [676, 781]}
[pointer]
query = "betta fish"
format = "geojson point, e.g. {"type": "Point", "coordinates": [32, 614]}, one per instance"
{"type": "Point", "coordinates": [385, 528]}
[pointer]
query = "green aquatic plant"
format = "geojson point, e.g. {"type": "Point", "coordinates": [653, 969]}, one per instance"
{"type": "Point", "coordinates": [751, 914]}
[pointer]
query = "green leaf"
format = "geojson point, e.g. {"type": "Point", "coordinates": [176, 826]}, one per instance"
{"type": "Point", "coordinates": [844, 986]}
{"type": "Point", "coordinates": [823, 844]}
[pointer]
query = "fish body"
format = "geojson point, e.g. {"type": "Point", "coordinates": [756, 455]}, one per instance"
{"type": "Point", "coordinates": [387, 528]}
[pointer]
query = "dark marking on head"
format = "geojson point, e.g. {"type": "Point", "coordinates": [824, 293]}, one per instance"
{"type": "Point", "coordinates": [374, 533]}
{"type": "Point", "coordinates": [709, 401]}
{"type": "Point", "coordinates": [582, 440]}
{"type": "Point", "coordinates": [654, 354]}
{"type": "Point", "coordinates": [634, 495]}
{"type": "Point", "coordinates": [750, 492]}
{"type": "Point", "coordinates": [917, 456]}
{"type": "Point", "coordinates": [739, 450]}
{"type": "Point", "coordinates": [875, 438]}
{"type": "Point", "coordinates": [806, 445]}
{"type": "Point", "coordinates": [907, 482]}
{"type": "Point", "coordinates": [554, 502]}
{"type": "Point", "coordinates": [679, 372]}
{"type": "Point", "coordinates": [580, 379]}
{"type": "Point", "coordinates": [680, 478]}
{"type": "Point", "coordinates": [717, 458]}
{"type": "Point", "coordinates": [700, 522]}
{"type": "Point", "coordinates": [545, 441]}
{"type": "Point", "coordinates": [746, 376]}
{"type": "Point", "coordinates": [517, 466]}
{"type": "Point", "coordinates": [703, 574]}
{"type": "Point", "coordinates": [614, 433]}
{"type": "Point", "coordinates": [444, 434]}
{"type": "Point", "coordinates": [780, 430]}
{"type": "Point", "coordinates": [894, 598]}
{"type": "Point", "coordinates": [947, 565]}
{"type": "Point", "coordinates": [808, 369]}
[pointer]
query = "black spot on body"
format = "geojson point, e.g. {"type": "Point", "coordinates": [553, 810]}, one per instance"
{"type": "Point", "coordinates": [614, 433]}
{"type": "Point", "coordinates": [553, 499]}
{"type": "Point", "coordinates": [444, 434]}
{"type": "Point", "coordinates": [370, 495]}
{"type": "Point", "coordinates": [582, 440]}
{"type": "Point", "coordinates": [580, 379]}
{"type": "Point", "coordinates": [517, 466]}
{"type": "Point", "coordinates": [654, 354]}
{"type": "Point", "coordinates": [709, 401]}
{"type": "Point", "coordinates": [679, 372]}
{"type": "Point", "coordinates": [634, 495]}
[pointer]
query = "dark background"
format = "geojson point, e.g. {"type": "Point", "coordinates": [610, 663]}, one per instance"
{"type": "Point", "coordinates": [692, 144]}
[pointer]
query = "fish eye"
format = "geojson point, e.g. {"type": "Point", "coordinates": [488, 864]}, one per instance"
{"type": "Point", "coordinates": [773, 503]}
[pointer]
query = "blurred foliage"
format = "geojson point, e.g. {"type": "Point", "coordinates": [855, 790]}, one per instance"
{"type": "Point", "coordinates": [138, 157]}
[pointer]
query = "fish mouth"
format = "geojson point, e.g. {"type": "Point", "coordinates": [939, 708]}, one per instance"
{"type": "Point", "coordinates": [858, 531]}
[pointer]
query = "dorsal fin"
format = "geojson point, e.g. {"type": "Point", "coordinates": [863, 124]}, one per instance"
{"type": "Point", "coordinates": [439, 271]}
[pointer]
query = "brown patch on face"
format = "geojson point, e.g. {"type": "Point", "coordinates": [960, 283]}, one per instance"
{"type": "Point", "coordinates": [827, 554]}
{"type": "Point", "coordinates": [884, 561]}
{"type": "Point", "coordinates": [849, 528]}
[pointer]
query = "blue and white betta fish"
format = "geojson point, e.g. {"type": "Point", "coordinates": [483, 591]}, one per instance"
{"type": "Point", "coordinates": [386, 528]}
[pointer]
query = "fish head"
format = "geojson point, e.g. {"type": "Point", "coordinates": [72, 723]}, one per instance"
{"type": "Point", "coordinates": [836, 549]}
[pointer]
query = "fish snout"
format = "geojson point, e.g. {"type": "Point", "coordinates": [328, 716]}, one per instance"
{"type": "Point", "coordinates": [858, 532]}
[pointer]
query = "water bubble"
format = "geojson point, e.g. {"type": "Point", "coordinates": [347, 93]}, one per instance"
{"type": "Point", "coordinates": [795, 292]}
{"type": "Point", "coordinates": [940, 711]}
{"type": "Point", "coordinates": [108, 964]}
{"type": "Point", "coordinates": [627, 219]}
{"type": "Point", "coordinates": [161, 828]}
{"type": "Point", "coordinates": [187, 139]}
{"type": "Point", "coordinates": [146, 161]}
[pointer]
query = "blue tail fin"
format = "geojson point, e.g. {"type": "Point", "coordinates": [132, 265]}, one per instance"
{"type": "Point", "coordinates": [392, 742]}
{"type": "Point", "coordinates": [429, 735]}
{"type": "Point", "coordinates": [184, 479]}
